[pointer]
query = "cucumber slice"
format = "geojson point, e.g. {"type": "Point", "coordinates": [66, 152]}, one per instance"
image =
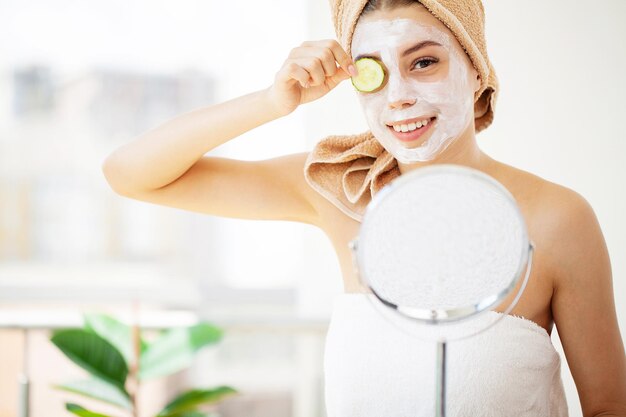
{"type": "Point", "coordinates": [372, 75]}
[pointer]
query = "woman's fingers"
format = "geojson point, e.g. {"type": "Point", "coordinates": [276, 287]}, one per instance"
{"type": "Point", "coordinates": [341, 57]}
{"type": "Point", "coordinates": [337, 78]}
{"type": "Point", "coordinates": [292, 70]}
{"type": "Point", "coordinates": [324, 55]}
{"type": "Point", "coordinates": [317, 69]}
{"type": "Point", "coordinates": [314, 67]}
{"type": "Point", "coordinates": [328, 53]}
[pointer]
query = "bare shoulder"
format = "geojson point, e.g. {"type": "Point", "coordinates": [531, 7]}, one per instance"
{"type": "Point", "coordinates": [561, 218]}
{"type": "Point", "coordinates": [561, 211]}
{"type": "Point", "coordinates": [545, 200]}
{"type": "Point", "coordinates": [572, 230]}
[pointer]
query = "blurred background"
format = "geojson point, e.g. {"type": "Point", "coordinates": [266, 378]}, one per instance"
{"type": "Point", "coordinates": [80, 78]}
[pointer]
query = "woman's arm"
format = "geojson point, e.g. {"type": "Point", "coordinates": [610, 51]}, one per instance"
{"type": "Point", "coordinates": [167, 166]}
{"type": "Point", "coordinates": [161, 155]}
{"type": "Point", "coordinates": [583, 306]}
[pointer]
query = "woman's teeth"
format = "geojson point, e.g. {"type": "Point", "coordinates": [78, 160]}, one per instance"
{"type": "Point", "coordinates": [411, 126]}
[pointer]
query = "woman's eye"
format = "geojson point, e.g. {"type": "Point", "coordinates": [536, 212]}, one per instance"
{"type": "Point", "coordinates": [424, 62]}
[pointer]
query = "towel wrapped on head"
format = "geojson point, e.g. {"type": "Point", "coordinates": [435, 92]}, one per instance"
{"type": "Point", "coordinates": [349, 170]}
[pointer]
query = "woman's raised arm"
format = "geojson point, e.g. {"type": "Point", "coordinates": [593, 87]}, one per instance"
{"type": "Point", "coordinates": [167, 166]}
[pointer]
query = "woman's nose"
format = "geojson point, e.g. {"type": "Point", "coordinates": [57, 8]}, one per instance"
{"type": "Point", "coordinates": [401, 103]}
{"type": "Point", "coordinates": [397, 95]}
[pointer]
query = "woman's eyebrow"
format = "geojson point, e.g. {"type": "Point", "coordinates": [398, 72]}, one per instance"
{"type": "Point", "coordinates": [419, 46]}
{"type": "Point", "coordinates": [412, 49]}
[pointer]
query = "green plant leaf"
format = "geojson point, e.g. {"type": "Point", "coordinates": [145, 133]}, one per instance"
{"type": "Point", "coordinates": [117, 333]}
{"type": "Point", "coordinates": [175, 349]}
{"type": "Point", "coordinates": [190, 400]}
{"type": "Point", "coordinates": [94, 354]}
{"type": "Point", "coordinates": [197, 414]}
{"type": "Point", "coordinates": [98, 389]}
{"type": "Point", "coordinates": [194, 414]}
{"type": "Point", "coordinates": [80, 411]}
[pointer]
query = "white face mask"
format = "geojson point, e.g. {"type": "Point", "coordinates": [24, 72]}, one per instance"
{"type": "Point", "coordinates": [428, 91]}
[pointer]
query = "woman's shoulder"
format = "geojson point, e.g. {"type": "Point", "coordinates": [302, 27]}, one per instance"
{"type": "Point", "coordinates": [538, 193]}
{"type": "Point", "coordinates": [556, 212]}
{"type": "Point", "coordinates": [561, 222]}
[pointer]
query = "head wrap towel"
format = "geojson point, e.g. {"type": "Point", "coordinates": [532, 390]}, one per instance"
{"type": "Point", "coordinates": [348, 170]}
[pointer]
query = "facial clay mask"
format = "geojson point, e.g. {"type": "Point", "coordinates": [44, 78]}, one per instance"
{"type": "Point", "coordinates": [414, 92]}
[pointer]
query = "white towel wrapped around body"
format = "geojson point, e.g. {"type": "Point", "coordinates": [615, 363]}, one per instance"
{"type": "Point", "coordinates": [374, 369]}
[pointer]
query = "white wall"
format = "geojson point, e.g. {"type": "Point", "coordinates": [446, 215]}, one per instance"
{"type": "Point", "coordinates": [559, 113]}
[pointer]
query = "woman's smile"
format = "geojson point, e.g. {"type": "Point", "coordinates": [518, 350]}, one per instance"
{"type": "Point", "coordinates": [409, 132]}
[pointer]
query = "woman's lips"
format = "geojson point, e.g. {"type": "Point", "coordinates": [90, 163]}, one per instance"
{"type": "Point", "coordinates": [414, 134]}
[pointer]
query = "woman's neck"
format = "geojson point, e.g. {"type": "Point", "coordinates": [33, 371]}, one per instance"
{"type": "Point", "coordinates": [462, 151]}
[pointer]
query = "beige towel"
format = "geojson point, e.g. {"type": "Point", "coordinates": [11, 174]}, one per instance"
{"type": "Point", "coordinates": [350, 169]}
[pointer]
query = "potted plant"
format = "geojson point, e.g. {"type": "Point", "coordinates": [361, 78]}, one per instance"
{"type": "Point", "coordinates": [118, 359]}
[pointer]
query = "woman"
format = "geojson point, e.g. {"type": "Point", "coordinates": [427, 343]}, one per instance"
{"type": "Point", "coordinates": [413, 124]}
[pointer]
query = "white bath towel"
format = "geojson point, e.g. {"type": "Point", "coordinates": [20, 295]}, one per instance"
{"type": "Point", "coordinates": [373, 369]}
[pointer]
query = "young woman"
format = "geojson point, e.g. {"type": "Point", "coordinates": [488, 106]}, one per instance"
{"type": "Point", "coordinates": [439, 90]}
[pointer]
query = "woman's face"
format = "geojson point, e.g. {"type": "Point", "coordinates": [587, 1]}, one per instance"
{"type": "Point", "coordinates": [428, 99]}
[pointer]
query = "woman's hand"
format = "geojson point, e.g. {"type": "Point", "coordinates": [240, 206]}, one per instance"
{"type": "Point", "coordinates": [309, 73]}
